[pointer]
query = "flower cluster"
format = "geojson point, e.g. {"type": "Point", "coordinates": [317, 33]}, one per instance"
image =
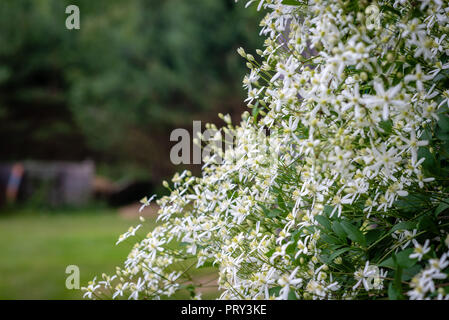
{"type": "Point", "coordinates": [423, 283]}
{"type": "Point", "coordinates": [328, 204]}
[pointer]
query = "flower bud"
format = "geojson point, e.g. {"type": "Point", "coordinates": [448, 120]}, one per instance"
{"type": "Point", "coordinates": [241, 52]}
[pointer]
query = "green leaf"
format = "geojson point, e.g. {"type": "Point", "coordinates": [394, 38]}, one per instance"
{"type": "Point", "coordinates": [338, 229]}
{"type": "Point", "coordinates": [255, 112]}
{"type": "Point", "coordinates": [391, 9]}
{"type": "Point", "coordinates": [353, 233]}
{"type": "Point", "coordinates": [281, 203]}
{"type": "Point", "coordinates": [273, 213]}
{"type": "Point", "coordinates": [324, 221]}
{"type": "Point", "coordinates": [443, 206]}
{"type": "Point", "coordinates": [443, 123]}
{"type": "Point", "coordinates": [405, 225]}
{"type": "Point", "coordinates": [325, 259]}
{"type": "Point", "coordinates": [428, 224]}
{"type": "Point", "coordinates": [328, 210]}
{"type": "Point", "coordinates": [412, 202]}
{"type": "Point", "coordinates": [397, 284]}
{"type": "Point", "coordinates": [430, 162]}
{"type": "Point", "coordinates": [403, 260]}
{"type": "Point", "coordinates": [393, 292]}
{"type": "Point", "coordinates": [291, 3]}
{"type": "Point", "coordinates": [292, 295]}
{"type": "Point", "coordinates": [274, 291]}
{"type": "Point", "coordinates": [388, 263]}
{"type": "Point", "coordinates": [291, 249]}
{"type": "Point", "coordinates": [295, 235]}
{"type": "Point", "coordinates": [387, 126]}
{"type": "Point", "coordinates": [191, 289]}
{"type": "Point", "coordinates": [206, 264]}
{"type": "Point", "coordinates": [330, 239]}
{"type": "Point", "coordinates": [270, 253]}
{"type": "Point", "coordinates": [410, 272]}
{"type": "Point", "coordinates": [338, 252]}
{"type": "Point", "coordinates": [443, 136]}
{"type": "Point", "coordinates": [373, 235]}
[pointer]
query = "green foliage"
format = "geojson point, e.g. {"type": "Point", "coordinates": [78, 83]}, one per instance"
{"type": "Point", "coordinates": [134, 69]}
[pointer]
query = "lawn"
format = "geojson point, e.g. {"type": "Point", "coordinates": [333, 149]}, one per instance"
{"type": "Point", "coordinates": [36, 248]}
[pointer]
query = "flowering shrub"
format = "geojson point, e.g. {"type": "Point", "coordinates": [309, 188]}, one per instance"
{"type": "Point", "coordinates": [347, 195]}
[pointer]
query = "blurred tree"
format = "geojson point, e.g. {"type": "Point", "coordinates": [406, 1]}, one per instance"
{"type": "Point", "coordinates": [115, 88]}
{"type": "Point", "coordinates": [34, 119]}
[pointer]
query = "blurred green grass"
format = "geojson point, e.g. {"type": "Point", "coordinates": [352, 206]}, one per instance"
{"type": "Point", "coordinates": [36, 248]}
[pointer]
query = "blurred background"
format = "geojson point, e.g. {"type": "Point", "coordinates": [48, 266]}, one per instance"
{"type": "Point", "coordinates": [85, 120]}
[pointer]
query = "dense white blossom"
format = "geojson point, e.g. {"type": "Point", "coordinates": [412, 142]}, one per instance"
{"type": "Point", "coordinates": [346, 111]}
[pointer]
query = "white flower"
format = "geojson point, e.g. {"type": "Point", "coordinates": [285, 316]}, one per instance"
{"type": "Point", "coordinates": [146, 202]}
{"type": "Point", "coordinates": [437, 265]}
{"type": "Point", "coordinates": [418, 77]}
{"type": "Point", "coordinates": [385, 99]}
{"type": "Point", "coordinates": [366, 276]}
{"type": "Point", "coordinates": [91, 288]}
{"type": "Point", "coordinates": [288, 281]}
{"type": "Point", "coordinates": [413, 144]}
{"type": "Point", "coordinates": [420, 251]}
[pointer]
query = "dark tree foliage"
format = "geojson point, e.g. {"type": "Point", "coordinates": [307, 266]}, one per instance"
{"type": "Point", "coordinates": [114, 89]}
